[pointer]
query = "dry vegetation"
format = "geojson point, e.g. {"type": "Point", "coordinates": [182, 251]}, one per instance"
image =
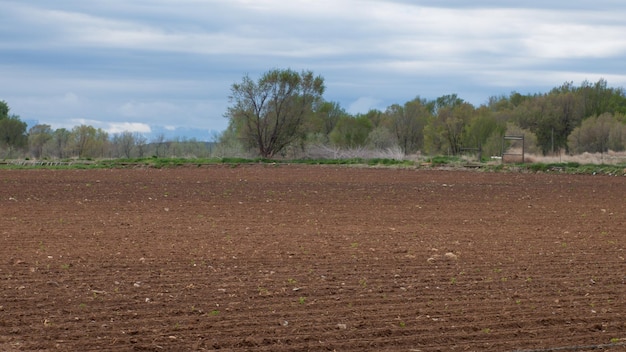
{"type": "Point", "coordinates": [611, 158]}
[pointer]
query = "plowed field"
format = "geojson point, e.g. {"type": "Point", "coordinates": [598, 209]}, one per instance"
{"type": "Point", "coordinates": [297, 258]}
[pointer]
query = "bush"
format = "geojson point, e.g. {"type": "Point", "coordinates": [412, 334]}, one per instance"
{"type": "Point", "coordinates": [598, 134]}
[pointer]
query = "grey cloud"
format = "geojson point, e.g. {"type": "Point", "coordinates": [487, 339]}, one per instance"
{"type": "Point", "coordinates": [152, 62]}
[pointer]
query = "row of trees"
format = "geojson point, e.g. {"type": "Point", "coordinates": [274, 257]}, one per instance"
{"type": "Point", "coordinates": [285, 110]}
{"type": "Point", "coordinates": [84, 141]}
{"type": "Point", "coordinates": [284, 113]}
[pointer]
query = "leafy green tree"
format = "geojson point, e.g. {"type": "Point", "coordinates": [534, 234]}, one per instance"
{"type": "Point", "coordinates": [375, 116]}
{"type": "Point", "coordinates": [554, 116]}
{"type": "Point", "coordinates": [82, 139]}
{"type": "Point", "coordinates": [326, 116]}
{"type": "Point", "coordinates": [570, 113]}
{"type": "Point", "coordinates": [443, 132]}
{"type": "Point", "coordinates": [321, 122]}
{"type": "Point", "coordinates": [60, 142]}
{"type": "Point", "coordinates": [434, 140]}
{"type": "Point", "coordinates": [617, 135]}
{"type": "Point", "coordinates": [482, 128]}
{"type": "Point", "coordinates": [13, 133]}
{"type": "Point", "coordinates": [89, 142]}
{"type": "Point", "coordinates": [599, 98]}
{"type": "Point", "coordinates": [12, 130]}
{"type": "Point", "coordinates": [540, 116]}
{"type": "Point", "coordinates": [450, 123]}
{"type": "Point", "coordinates": [351, 132]}
{"type": "Point", "coordinates": [38, 136]}
{"type": "Point", "coordinates": [517, 99]}
{"type": "Point", "coordinates": [449, 101]}
{"type": "Point", "coordinates": [408, 122]}
{"type": "Point", "coordinates": [598, 134]}
{"type": "Point", "coordinates": [4, 109]}
{"type": "Point", "coordinates": [269, 114]}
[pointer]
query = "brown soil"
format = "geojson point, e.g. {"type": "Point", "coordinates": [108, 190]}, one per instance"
{"type": "Point", "coordinates": [294, 258]}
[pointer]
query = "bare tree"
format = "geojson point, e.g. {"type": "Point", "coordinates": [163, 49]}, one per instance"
{"type": "Point", "coordinates": [125, 143]}
{"type": "Point", "coordinates": [159, 142]}
{"type": "Point", "coordinates": [140, 141]}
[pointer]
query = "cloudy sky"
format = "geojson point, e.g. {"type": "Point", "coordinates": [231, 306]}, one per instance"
{"type": "Point", "coordinates": [167, 65]}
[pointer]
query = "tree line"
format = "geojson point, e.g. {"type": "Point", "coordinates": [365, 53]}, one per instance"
{"type": "Point", "coordinates": [284, 113]}
{"type": "Point", "coordinates": [87, 142]}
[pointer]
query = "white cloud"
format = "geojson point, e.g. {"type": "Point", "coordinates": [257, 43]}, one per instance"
{"type": "Point", "coordinates": [564, 41]}
{"type": "Point", "coordinates": [166, 62]}
{"type": "Point", "coordinates": [111, 127]}
{"type": "Point", "coordinates": [89, 122]}
{"type": "Point", "coordinates": [118, 127]}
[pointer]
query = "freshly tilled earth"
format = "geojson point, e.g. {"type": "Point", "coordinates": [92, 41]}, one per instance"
{"type": "Point", "coordinates": [296, 258]}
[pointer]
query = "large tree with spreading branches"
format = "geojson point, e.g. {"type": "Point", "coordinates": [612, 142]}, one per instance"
{"type": "Point", "coordinates": [269, 114]}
